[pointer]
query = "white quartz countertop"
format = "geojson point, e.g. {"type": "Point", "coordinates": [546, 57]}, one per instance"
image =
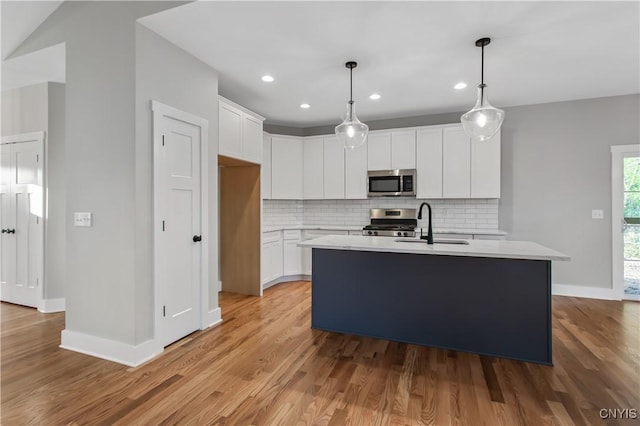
{"type": "Point", "coordinates": [476, 248]}
{"type": "Point", "coordinates": [359, 228]}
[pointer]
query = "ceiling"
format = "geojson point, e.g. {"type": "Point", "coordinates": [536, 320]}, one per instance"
{"type": "Point", "coordinates": [411, 53]}
{"type": "Point", "coordinates": [20, 19]}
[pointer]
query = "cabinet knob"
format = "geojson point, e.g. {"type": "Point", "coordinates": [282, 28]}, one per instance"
{"type": "Point", "coordinates": [197, 238]}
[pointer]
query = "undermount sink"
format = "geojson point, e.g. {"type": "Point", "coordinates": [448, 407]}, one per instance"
{"type": "Point", "coordinates": [435, 241]}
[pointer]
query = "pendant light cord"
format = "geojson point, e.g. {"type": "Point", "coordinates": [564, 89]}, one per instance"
{"type": "Point", "coordinates": [482, 77]}
{"type": "Point", "coordinates": [351, 93]}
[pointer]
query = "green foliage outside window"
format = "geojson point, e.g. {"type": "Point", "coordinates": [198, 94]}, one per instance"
{"type": "Point", "coordinates": [632, 187]}
{"type": "Point", "coordinates": [632, 207]}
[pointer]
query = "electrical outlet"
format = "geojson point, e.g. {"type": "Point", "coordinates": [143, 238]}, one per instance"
{"type": "Point", "coordinates": [82, 219]}
{"type": "Point", "coordinates": [597, 214]}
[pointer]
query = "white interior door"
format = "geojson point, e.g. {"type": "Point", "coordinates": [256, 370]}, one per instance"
{"type": "Point", "coordinates": [21, 217]}
{"type": "Point", "coordinates": [178, 205]}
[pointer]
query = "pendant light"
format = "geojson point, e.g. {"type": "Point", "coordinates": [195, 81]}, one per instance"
{"type": "Point", "coordinates": [351, 132]}
{"type": "Point", "coordinates": [484, 120]}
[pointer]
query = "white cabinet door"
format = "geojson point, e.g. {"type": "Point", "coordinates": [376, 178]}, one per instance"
{"type": "Point", "coordinates": [276, 259]}
{"type": "Point", "coordinates": [379, 151]}
{"type": "Point", "coordinates": [485, 168]}
{"type": "Point", "coordinates": [230, 131]}
{"type": "Point", "coordinates": [286, 168]}
{"type": "Point", "coordinates": [313, 168]}
{"type": "Point", "coordinates": [403, 150]}
{"type": "Point", "coordinates": [355, 173]}
{"type": "Point", "coordinates": [292, 258]}
{"type": "Point", "coordinates": [334, 168]}
{"type": "Point", "coordinates": [271, 261]}
{"type": "Point", "coordinates": [265, 168]}
{"type": "Point", "coordinates": [429, 163]}
{"type": "Point", "coordinates": [305, 261]}
{"type": "Point", "coordinates": [265, 263]}
{"type": "Point", "coordinates": [456, 163]}
{"type": "Point", "coordinates": [252, 139]}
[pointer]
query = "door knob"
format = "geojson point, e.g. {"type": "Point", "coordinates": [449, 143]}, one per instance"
{"type": "Point", "coordinates": [197, 238]}
{"type": "Point", "coordinates": [11, 231]}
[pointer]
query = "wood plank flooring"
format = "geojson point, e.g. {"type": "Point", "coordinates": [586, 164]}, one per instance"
{"type": "Point", "coordinates": [265, 366]}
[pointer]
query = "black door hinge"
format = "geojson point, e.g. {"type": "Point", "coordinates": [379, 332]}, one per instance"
{"type": "Point", "coordinates": [164, 311]}
{"type": "Point", "coordinates": [163, 226]}
{"type": "Point", "coordinates": [162, 140]}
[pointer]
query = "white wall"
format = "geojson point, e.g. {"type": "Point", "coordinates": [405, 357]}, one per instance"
{"type": "Point", "coordinates": [168, 74]}
{"type": "Point", "coordinates": [101, 162]}
{"type": "Point", "coordinates": [34, 108]}
{"type": "Point", "coordinates": [556, 168]}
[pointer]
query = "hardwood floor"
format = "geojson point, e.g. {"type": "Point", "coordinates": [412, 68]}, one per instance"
{"type": "Point", "coordinates": [264, 365]}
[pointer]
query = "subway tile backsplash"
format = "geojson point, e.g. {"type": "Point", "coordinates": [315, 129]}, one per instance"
{"type": "Point", "coordinates": [463, 214]}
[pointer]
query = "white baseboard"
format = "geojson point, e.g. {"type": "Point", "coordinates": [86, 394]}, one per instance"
{"type": "Point", "coordinates": [584, 291]}
{"type": "Point", "coordinates": [213, 318]}
{"type": "Point", "coordinates": [286, 278]}
{"type": "Point", "coordinates": [111, 350]}
{"type": "Point", "coordinates": [47, 306]}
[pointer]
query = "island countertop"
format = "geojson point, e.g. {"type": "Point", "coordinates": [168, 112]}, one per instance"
{"type": "Point", "coordinates": [504, 249]}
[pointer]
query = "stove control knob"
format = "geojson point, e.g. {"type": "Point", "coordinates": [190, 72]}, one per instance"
{"type": "Point", "coordinates": [399, 234]}
{"type": "Point", "coordinates": [375, 232]}
{"type": "Point", "coordinates": [405, 234]}
{"type": "Point", "coordinates": [369, 233]}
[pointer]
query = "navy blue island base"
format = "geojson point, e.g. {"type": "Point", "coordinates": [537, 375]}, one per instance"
{"type": "Point", "coordinates": [489, 306]}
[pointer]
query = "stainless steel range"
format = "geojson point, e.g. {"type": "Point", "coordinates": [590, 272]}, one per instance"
{"type": "Point", "coordinates": [392, 223]}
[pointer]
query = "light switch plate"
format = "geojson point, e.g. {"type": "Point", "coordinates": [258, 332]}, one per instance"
{"type": "Point", "coordinates": [597, 214]}
{"type": "Point", "coordinates": [82, 219]}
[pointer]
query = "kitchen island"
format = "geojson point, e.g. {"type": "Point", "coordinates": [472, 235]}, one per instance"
{"type": "Point", "coordinates": [485, 297]}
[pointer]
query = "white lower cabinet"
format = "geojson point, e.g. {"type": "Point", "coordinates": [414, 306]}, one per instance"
{"type": "Point", "coordinates": [292, 254]}
{"type": "Point", "coordinates": [271, 256]}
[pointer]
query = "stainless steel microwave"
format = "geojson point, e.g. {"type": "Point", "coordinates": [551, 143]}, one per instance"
{"type": "Point", "coordinates": [392, 183]}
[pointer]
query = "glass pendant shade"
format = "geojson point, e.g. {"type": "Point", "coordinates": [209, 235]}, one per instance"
{"type": "Point", "coordinates": [483, 120]}
{"type": "Point", "coordinates": [352, 132]}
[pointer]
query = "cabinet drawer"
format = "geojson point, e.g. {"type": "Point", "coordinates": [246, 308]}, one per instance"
{"type": "Point", "coordinates": [291, 234]}
{"type": "Point", "coordinates": [308, 235]}
{"type": "Point", "coordinates": [269, 237]}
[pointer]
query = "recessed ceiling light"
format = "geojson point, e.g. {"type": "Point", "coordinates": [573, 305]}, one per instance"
{"type": "Point", "coordinates": [374, 96]}
{"type": "Point", "coordinates": [267, 78]}
{"type": "Point", "coordinates": [305, 106]}
{"type": "Point", "coordinates": [460, 86]}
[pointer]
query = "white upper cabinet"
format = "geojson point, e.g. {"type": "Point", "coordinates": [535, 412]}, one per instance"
{"type": "Point", "coordinates": [391, 150]}
{"type": "Point", "coordinates": [403, 149]}
{"type": "Point", "coordinates": [471, 169]}
{"type": "Point", "coordinates": [286, 168]}
{"type": "Point", "coordinates": [355, 173]}
{"type": "Point", "coordinates": [333, 168]}
{"type": "Point", "coordinates": [313, 168]}
{"type": "Point", "coordinates": [379, 151]}
{"type": "Point", "coordinates": [265, 168]}
{"type": "Point", "coordinates": [240, 132]}
{"type": "Point", "coordinates": [456, 163]}
{"type": "Point", "coordinates": [252, 139]}
{"type": "Point", "coordinates": [230, 135]}
{"type": "Point", "coordinates": [429, 163]}
{"type": "Point", "coordinates": [485, 168]}
{"type": "Point", "coordinates": [447, 163]}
